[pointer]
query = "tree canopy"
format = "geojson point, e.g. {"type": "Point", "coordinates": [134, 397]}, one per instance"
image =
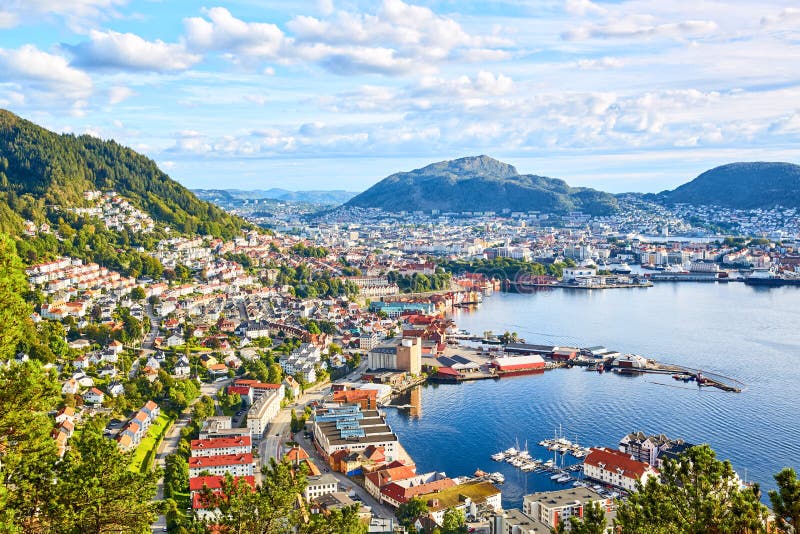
{"type": "Point", "coordinates": [697, 494]}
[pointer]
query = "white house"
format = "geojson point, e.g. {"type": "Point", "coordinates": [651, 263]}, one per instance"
{"type": "Point", "coordinates": [616, 468]}
{"type": "Point", "coordinates": [94, 396]}
{"type": "Point", "coordinates": [182, 367]}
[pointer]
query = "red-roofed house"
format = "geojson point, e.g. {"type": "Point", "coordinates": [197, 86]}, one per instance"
{"type": "Point", "coordinates": [373, 482]}
{"type": "Point", "coordinates": [366, 398]}
{"type": "Point", "coordinates": [616, 468]}
{"type": "Point", "coordinates": [245, 392]}
{"type": "Point", "coordinates": [397, 493]}
{"type": "Point", "coordinates": [260, 388]}
{"type": "Point", "coordinates": [93, 396]}
{"type": "Point", "coordinates": [375, 454]}
{"type": "Point", "coordinates": [221, 446]}
{"type": "Point", "coordinates": [238, 465]}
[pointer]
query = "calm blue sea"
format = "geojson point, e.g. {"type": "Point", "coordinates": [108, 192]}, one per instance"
{"type": "Point", "coordinates": [751, 334]}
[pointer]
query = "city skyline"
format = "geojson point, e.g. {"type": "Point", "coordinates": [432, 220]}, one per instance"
{"type": "Point", "coordinates": [621, 96]}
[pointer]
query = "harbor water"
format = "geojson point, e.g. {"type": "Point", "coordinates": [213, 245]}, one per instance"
{"type": "Point", "coordinates": [750, 334]}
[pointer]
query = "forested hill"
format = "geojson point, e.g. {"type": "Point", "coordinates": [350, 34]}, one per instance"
{"type": "Point", "coordinates": [39, 168]}
{"type": "Point", "coordinates": [744, 185]}
{"type": "Point", "coordinates": [480, 183]}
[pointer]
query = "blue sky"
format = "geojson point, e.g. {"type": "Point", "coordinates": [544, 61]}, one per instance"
{"type": "Point", "coordinates": [625, 95]}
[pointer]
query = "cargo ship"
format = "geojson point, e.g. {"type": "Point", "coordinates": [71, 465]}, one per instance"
{"type": "Point", "coordinates": [768, 277]}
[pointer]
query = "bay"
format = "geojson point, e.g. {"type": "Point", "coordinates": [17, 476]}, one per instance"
{"type": "Point", "coordinates": [751, 334]}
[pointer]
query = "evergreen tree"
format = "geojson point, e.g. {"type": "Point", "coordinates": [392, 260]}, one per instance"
{"type": "Point", "coordinates": [270, 509]}
{"type": "Point", "coordinates": [409, 511]}
{"type": "Point", "coordinates": [14, 311]}
{"type": "Point", "coordinates": [786, 500]}
{"type": "Point", "coordinates": [593, 521]}
{"type": "Point", "coordinates": [97, 493]}
{"type": "Point", "coordinates": [697, 494]}
{"type": "Point", "coordinates": [27, 452]}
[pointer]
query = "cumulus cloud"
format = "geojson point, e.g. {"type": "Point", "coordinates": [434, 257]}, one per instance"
{"type": "Point", "coordinates": [633, 29]}
{"type": "Point", "coordinates": [119, 93]}
{"type": "Point", "coordinates": [583, 7]}
{"type": "Point", "coordinates": [483, 84]}
{"type": "Point", "coordinates": [76, 13]}
{"type": "Point", "coordinates": [128, 51]}
{"type": "Point", "coordinates": [8, 19]}
{"type": "Point", "coordinates": [397, 39]}
{"type": "Point", "coordinates": [43, 71]}
{"type": "Point", "coordinates": [325, 7]}
{"type": "Point", "coordinates": [787, 15]}
{"type": "Point", "coordinates": [603, 63]}
{"type": "Point", "coordinates": [224, 32]}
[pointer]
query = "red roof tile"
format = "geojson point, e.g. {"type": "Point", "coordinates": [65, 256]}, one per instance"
{"type": "Point", "coordinates": [612, 460]}
{"type": "Point", "coordinates": [221, 443]}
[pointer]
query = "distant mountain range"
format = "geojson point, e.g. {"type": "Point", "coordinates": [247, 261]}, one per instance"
{"type": "Point", "coordinates": [334, 197]}
{"type": "Point", "coordinates": [741, 186]}
{"type": "Point", "coordinates": [480, 183]}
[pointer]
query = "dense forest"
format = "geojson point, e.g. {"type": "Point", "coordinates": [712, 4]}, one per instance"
{"type": "Point", "coordinates": [40, 169]}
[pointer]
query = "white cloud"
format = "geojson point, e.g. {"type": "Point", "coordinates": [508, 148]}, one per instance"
{"type": "Point", "coordinates": [8, 19]}
{"type": "Point", "coordinates": [11, 99]}
{"type": "Point", "coordinates": [43, 71]}
{"type": "Point", "coordinates": [583, 7]}
{"type": "Point", "coordinates": [398, 38]}
{"type": "Point", "coordinates": [484, 84]}
{"type": "Point", "coordinates": [128, 51]}
{"type": "Point", "coordinates": [787, 15]}
{"type": "Point", "coordinates": [76, 13]}
{"type": "Point", "coordinates": [119, 93]}
{"type": "Point", "coordinates": [325, 7]}
{"type": "Point", "coordinates": [603, 63]}
{"type": "Point", "coordinates": [224, 32]}
{"type": "Point", "coordinates": [635, 28]}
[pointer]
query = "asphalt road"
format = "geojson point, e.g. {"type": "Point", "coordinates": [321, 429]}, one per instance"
{"type": "Point", "coordinates": [171, 440]}
{"type": "Point", "coordinates": [345, 484]}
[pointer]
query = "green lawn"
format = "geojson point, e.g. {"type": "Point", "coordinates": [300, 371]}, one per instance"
{"type": "Point", "coordinates": [146, 451]}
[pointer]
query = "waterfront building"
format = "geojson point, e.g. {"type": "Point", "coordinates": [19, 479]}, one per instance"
{"type": "Point", "coordinates": [650, 449]}
{"type": "Point", "coordinates": [350, 428]}
{"type": "Point", "coordinates": [518, 364]}
{"type": "Point", "coordinates": [403, 355]}
{"type": "Point", "coordinates": [373, 482]}
{"type": "Point", "coordinates": [474, 498]}
{"type": "Point", "coordinates": [616, 468]}
{"type": "Point", "coordinates": [402, 491]}
{"type": "Point", "coordinates": [553, 508]}
{"type": "Point", "coordinates": [394, 310]}
{"type": "Point", "coordinates": [367, 399]}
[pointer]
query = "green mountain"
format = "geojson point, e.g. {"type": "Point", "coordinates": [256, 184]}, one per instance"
{"type": "Point", "coordinates": [40, 169]}
{"type": "Point", "coordinates": [480, 184]}
{"type": "Point", "coordinates": [742, 186]}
